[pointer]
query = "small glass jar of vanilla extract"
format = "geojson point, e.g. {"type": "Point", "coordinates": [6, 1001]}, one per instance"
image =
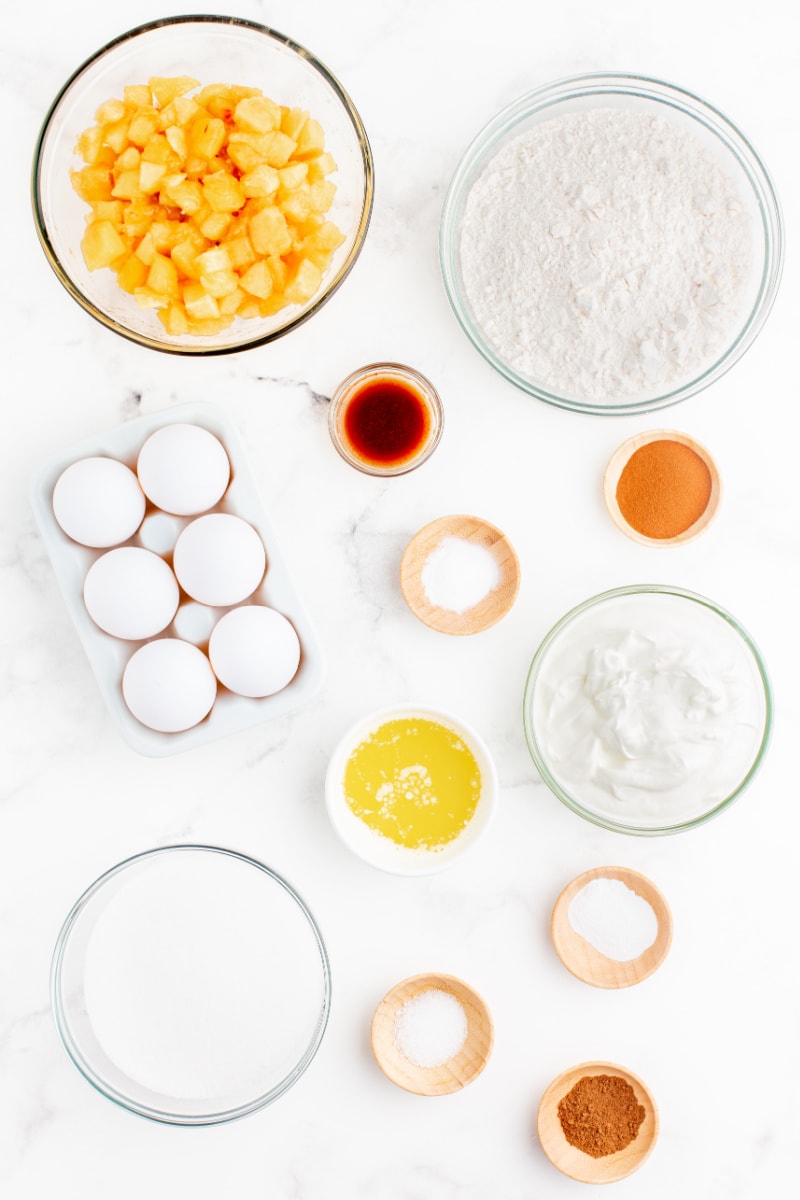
{"type": "Point", "coordinates": [386, 419]}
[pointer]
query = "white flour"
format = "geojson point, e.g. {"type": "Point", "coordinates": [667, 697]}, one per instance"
{"type": "Point", "coordinates": [606, 254]}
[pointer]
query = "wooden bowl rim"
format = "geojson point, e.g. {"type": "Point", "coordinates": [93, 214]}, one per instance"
{"type": "Point", "coordinates": [448, 1077]}
{"type": "Point", "coordinates": [587, 963]}
{"type": "Point", "coordinates": [619, 460]}
{"type": "Point", "coordinates": [488, 611]}
{"type": "Point", "coordinates": [575, 1163]}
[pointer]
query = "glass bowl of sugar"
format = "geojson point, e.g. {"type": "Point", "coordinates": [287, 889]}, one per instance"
{"type": "Point", "coordinates": [190, 985]}
{"type": "Point", "coordinates": [611, 243]}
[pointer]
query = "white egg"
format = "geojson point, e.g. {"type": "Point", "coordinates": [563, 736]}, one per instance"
{"type": "Point", "coordinates": [254, 650]}
{"type": "Point", "coordinates": [98, 502]}
{"type": "Point", "coordinates": [131, 593]}
{"type": "Point", "coordinates": [183, 469]}
{"type": "Point", "coordinates": [168, 685]}
{"type": "Point", "coordinates": [219, 559]}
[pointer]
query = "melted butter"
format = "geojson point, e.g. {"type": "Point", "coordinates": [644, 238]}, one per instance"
{"type": "Point", "coordinates": [413, 781]}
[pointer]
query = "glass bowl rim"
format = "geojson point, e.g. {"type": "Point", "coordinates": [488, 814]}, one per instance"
{"type": "Point", "coordinates": [189, 350]}
{"type": "Point", "coordinates": [605, 822]}
{"type": "Point", "coordinates": [481, 149]}
{"type": "Point", "coordinates": [117, 1097]}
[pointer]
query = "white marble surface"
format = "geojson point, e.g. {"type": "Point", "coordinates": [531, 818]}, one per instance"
{"type": "Point", "coordinates": [715, 1031]}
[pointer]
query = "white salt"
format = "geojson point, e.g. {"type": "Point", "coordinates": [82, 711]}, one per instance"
{"type": "Point", "coordinates": [203, 978]}
{"type": "Point", "coordinates": [615, 920]}
{"type": "Point", "coordinates": [430, 1029]}
{"type": "Point", "coordinates": [458, 574]}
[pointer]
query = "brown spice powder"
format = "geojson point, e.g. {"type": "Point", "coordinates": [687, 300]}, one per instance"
{"type": "Point", "coordinates": [664, 488]}
{"type": "Point", "coordinates": [600, 1115]}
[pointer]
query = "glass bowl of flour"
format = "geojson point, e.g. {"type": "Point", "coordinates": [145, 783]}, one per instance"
{"type": "Point", "coordinates": [611, 244]}
{"type": "Point", "coordinates": [647, 709]}
{"type": "Point", "coordinates": [190, 985]}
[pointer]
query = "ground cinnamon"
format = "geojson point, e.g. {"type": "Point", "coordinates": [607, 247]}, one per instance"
{"type": "Point", "coordinates": [600, 1115]}
{"type": "Point", "coordinates": [664, 488]}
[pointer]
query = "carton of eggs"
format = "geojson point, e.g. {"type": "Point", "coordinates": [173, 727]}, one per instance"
{"type": "Point", "coordinates": [174, 580]}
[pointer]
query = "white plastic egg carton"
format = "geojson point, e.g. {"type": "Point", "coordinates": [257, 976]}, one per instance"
{"type": "Point", "coordinates": [109, 655]}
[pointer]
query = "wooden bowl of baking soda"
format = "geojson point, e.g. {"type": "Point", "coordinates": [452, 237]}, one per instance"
{"type": "Point", "coordinates": [611, 927]}
{"type": "Point", "coordinates": [432, 1034]}
{"type": "Point", "coordinates": [662, 488]}
{"type": "Point", "coordinates": [459, 575]}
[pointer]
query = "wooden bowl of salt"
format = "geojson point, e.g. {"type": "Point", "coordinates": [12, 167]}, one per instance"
{"type": "Point", "coordinates": [459, 575]}
{"type": "Point", "coordinates": [662, 488]}
{"type": "Point", "coordinates": [432, 1034]}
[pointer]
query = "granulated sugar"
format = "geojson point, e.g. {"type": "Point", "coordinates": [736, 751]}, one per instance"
{"type": "Point", "coordinates": [606, 254]}
{"type": "Point", "coordinates": [202, 978]}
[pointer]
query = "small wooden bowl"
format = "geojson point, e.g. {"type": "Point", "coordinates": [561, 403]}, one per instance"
{"type": "Point", "coordinates": [619, 460]}
{"type": "Point", "coordinates": [576, 1163]}
{"type": "Point", "coordinates": [489, 610]}
{"type": "Point", "coordinates": [450, 1076]}
{"type": "Point", "coordinates": [583, 960]}
{"type": "Point", "coordinates": [581, 957]}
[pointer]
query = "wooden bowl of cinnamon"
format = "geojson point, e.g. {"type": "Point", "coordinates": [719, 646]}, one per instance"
{"type": "Point", "coordinates": [597, 1122]}
{"type": "Point", "coordinates": [662, 488]}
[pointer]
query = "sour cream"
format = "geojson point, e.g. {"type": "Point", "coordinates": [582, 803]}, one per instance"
{"type": "Point", "coordinates": [648, 708]}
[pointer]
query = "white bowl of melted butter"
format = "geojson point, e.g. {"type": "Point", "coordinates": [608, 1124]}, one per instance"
{"type": "Point", "coordinates": [647, 709]}
{"type": "Point", "coordinates": [410, 789]}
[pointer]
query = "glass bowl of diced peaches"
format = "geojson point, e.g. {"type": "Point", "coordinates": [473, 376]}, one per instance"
{"type": "Point", "coordinates": [202, 185]}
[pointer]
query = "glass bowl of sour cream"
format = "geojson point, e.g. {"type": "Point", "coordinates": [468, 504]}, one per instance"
{"type": "Point", "coordinates": [611, 243]}
{"type": "Point", "coordinates": [647, 709]}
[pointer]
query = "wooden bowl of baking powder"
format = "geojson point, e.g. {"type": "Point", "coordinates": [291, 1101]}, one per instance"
{"type": "Point", "coordinates": [460, 575]}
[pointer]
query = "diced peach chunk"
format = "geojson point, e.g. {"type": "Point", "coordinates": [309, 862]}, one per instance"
{"type": "Point", "coordinates": [257, 114]}
{"type": "Point", "coordinates": [150, 176]}
{"type": "Point", "coordinates": [205, 136]}
{"type": "Point", "coordinates": [223, 192]}
{"type": "Point", "coordinates": [208, 204]}
{"type": "Point", "coordinates": [257, 280]}
{"type": "Point", "coordinates": [101, 245]}
{"type": "Point", "coordinates": [292, 121]}
{"type": "Point", "coordinates": [311, 140]}
{"type": "Point", "coordinates": [166, 89]}
{"type": "Point", "coordinates": [199, 305]}
{"type": "Point", "coordinates": [142, 127]}
{"type": "Point", "coordinates": [132, 274]}
{"type": "Point", "coordinates": [92, 183]}
{"type": "Point", "coordinates": [163, 276]}
{"type": "Point", "coordinates": [138, 94]}
{"type": "Point", "coordinates": [305, 283]}
{"type": "Point", "coordinates": [263, 181]}
{"type": "Point", "coordinates": [219, 283]}
{"type": "Point", "coordinates": [269, 232]}
{"type": "Point", "coordinates": [215, 226]}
